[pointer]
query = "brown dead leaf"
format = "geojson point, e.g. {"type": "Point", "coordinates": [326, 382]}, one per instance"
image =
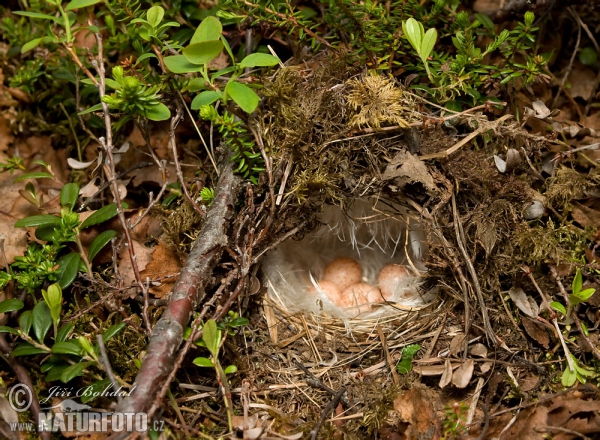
{"type": "Point", "coordinates": [143, 256]}
{"type": "Point", "coordinates": [585, 216]}
{"type": "Point", "coordinates": [571, 412]}
{"type": "Point", "coordinates": [6, 136]}
{"type": "Point", "coordinates": [415, 408]}
{"type": "Point", "coordinates": [13, 208]}
{"type": "Point", "coordinates": [433, 370]}
{"type": "Point", "coordinates": [582, 80]}
{"type": "Point", "coordinates": [457, 344]}
{"type": "Point", "coordinates": [479, 350]}
{"type": "Point", "coordinates": [537, 331]}
{"type": "Point", "coordinates": [406, 168]}
{"type": "Point", "coordinates": [162, 268]}
{"type": "Point", "coordinates": [462, 375]}
{"type": "Point", "coordinates": [446, 375]}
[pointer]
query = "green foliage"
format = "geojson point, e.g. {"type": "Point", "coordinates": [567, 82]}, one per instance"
{"type": "Point", "coordinates": [455, 417]}
{"type": "Point", "coordinates": [67, 356]}
{"type": "Point", "coordinates": [576, 297]}
{"type": "Point", "coordinates": [408, 352]}
{"type": "Point", "coordinates": [132, 97]}
{"type": "Point", "coordinates": [207, 195]}
{"type": "Point", "coordinates": [47, 262]}
{"type": "Point", "coordinates": [579, 373]}
{"type": "Point", "coordinates": [212, 337]}
{"type": "Point", "coordinates": [249, 162]}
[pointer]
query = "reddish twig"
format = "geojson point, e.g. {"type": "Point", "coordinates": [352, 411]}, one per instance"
{"type": "Point", "coordinates": [188, 291]}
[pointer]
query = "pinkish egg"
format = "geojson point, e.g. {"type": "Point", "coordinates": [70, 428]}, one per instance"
{"type": "Point", "coordinates": [328, 288]}
{"type": "Point", "coordinates": [361, 293]}
{"type": "Point", "coordinates": [389, 277]}
{"type": "Point", "coordinates": [343, 272]}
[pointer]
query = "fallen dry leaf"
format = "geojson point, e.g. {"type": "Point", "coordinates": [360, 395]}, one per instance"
{"type": "Point", "coordinates": [537, 331]}
{"type": "Point", "coordinates": [462, 375]}
{"type": "Point", "coordinates": [415, 407]}
{"type": "Point", "coordinates": [164, 268]}
{"type": "Point", "coordinates": [6, 136]}
{"type": "Point", "coordinates": [406, 168]}
{"type": "Point", "coordinates": [446, 375]}
{"type": "Point", "coordinates": [143, 256]}
{"type": "Point", "coordinates": [524, 303]}
{"type": "Point", "coordinates": [571, 412]}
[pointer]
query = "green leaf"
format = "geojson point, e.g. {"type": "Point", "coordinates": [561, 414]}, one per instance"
{"type": "Point", "coordinates": [231, 369]}
{"type": "Point", "coordinates": [31, 45]}
{"type": "Point", "coordinates": [35, 15]}
{"type": "Point", "coordinates": [585, 329]}
{"type": "Point", "coordinates": [211, 337]}
{"type": "Point", "coordinates": [34, 175]}
{"type": "Point", "coordinates": [26, 349]}
{"type": "Point", "coordinates": [485, 20]}
{"type": "Point", "coordinates": [238, 322]}
{"type": "Point", "coordinates": [38, 220]}
{"type": "Point", "coordinates": [584, 295]}
{"type": "Point", "coordinates": [100, 241]}
{"type": "Point", "coordinates": [73, 371]}
{"type": "Point", "coordinates": [179, 64]}
{"type": "Point", "coordinates": [68, 195]}
{"type": "Point", "coordinates": [568, 377]}
{"type": "Point", "coordinates": [558, 307]}
{"type": "Point", "coordinates": [25, 321]}
{"type": "Point", "coordinates": [155, 15]}
{"type": "Point", "coordinates": [94, 390]}
{"type": "Point", "coordinates": [77, 4]}
{"type": "Point", "coordinates": [243, 96]}
{"type": "Point", "coordinates": [10, 305]}
{"type": "Point", "coordinates": [205, 98]}
{"type": "Point", "coordinates": [112, 331]}
{"type": "Point", "coordinates": [64, 331]}
{"type": "Point", "coordinates": [195, 85]}
{"type": "Point", "coordinates": [142, 58]}
{"type": "Point", "coordinates": [6, 329]}
{"type": "Point", "coordinates": [210, 29]}
{"type": "Point", "coordinates": [429, 40]}
{"type": "Point", "coordinates": [46, 232]}
{"type": "Point", "coordinates": [587, 56]}
{"type": "Point", "coordinates": [103, 214]}
{"type": "Point", "coordinates": [68, 347]}
{"type": "Point", "coordinates": [94, 108]}
{"type": "Point", "coordinates": [414, 33]}
{"type": "Point", "coordinates": [203, 52]}
{"type": "Point", "coordinates": [53, 297]}
{"type": "Point", "coordinates": [157, 112]}
{"type": "Point", "coordinates": [56, 371]}
{"type": "Point", "coordinates": [259, 60]}
{"type": "Point", "coordinates": [42, 320]}
{"type": "Point", "coordinates": [68, 268]}
{"type": "Point", "coordinates": [87, 346]}
{"type": "Point", "coordinates": [203, 362]}
{"type": "Point", "coordinates": [577, 282]}
{"type": "Point", "coordinates": [408, 352]}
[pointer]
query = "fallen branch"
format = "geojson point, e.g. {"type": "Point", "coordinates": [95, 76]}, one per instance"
{"type": "Point", "coordinates": [187, 293]}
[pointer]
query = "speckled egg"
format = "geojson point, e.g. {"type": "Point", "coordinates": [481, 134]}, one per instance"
{"type": "Point", "coordinates": [390, 276]}
{"type": "Point", "coordinates": [330, 290]}
{"type": "Point", "coordinates": [343, 272]}
{"type": "Point", "coordinates": [362, 292]}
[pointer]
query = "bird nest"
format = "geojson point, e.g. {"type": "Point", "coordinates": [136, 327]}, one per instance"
{"type": "Point", "coordinates": [380, 239]}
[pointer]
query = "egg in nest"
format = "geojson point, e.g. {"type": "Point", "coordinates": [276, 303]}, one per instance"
{"type": "Point", "coordinates": [343, 272]}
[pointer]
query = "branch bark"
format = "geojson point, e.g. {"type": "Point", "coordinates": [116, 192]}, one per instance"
{"type": "Point", "coordinates": [187, 293]}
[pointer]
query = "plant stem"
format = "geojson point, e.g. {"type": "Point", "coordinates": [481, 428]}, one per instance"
{"type": "Point", "coordinates": [83, 255]}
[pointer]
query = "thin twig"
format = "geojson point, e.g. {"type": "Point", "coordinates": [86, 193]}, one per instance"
{"type": "Point", "coordinates": [460, 239]}
{"type": "Point", "coordinates": [326, 411]}
{"type": "Point", "coordinates": [109, 170]}
{"type": "Point", "coordinates": [173, 143]}
{"type": "Point", "coordinates": [106, 365]}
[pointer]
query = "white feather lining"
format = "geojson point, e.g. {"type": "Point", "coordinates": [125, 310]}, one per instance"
{"type": "Point", "coordinates": [373, 232]}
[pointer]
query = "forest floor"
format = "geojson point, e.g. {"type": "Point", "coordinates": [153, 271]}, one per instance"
{"type": "Point", "coordinates": [506, 198]}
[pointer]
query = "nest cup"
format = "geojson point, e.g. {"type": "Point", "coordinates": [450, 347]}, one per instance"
{"type": "Point", "coordinates": [375, 233]}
